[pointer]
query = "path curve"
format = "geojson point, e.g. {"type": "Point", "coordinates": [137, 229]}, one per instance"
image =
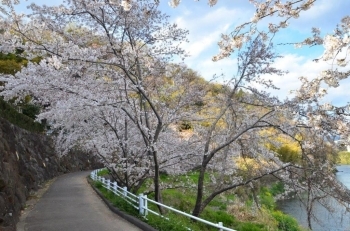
{"type": "Point", "coordinates": [70, 204]}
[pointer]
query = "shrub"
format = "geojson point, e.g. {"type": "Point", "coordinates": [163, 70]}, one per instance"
{"type": "Point", "coordinates": [9, 67]}
{"type": "Point", "coordinates": [277, 188]}
{"type": "Point", "coordinates": [267, 199]}
{"type": "Point", "coordinates": [343, 157]}
{"type": "Point", "coordinates": [285, 222]}
{"type": "Point", "coordinates": [288, 154]}
{"type": "Point", "coordinates": [11, 63]}
{"type": "Point", "coordinates": [30, 110]}
{"type": "Point", "coordinates": [9, 113]}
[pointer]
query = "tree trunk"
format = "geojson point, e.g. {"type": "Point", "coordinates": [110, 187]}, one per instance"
{"type": "Point", "coordinates": [198, 206]}
{"type": "Point", "coordinates": [156, 181]}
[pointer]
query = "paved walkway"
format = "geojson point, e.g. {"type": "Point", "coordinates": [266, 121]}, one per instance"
{"type": "Point", "coordinates": [70, 204]}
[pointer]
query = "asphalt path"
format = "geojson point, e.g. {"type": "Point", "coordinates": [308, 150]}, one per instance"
{"type": "Point", "coordinates": [70, 204]}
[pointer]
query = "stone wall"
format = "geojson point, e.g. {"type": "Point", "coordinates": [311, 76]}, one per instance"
{"type": "Point", "coordinates": [26, 161]}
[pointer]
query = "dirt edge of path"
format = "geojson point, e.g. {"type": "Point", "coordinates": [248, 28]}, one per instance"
{"type": "Point", "coordinates": [33, 198]}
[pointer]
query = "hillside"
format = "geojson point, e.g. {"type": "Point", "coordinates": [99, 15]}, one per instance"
{"type": "Point", "coordinates": [27, 160]}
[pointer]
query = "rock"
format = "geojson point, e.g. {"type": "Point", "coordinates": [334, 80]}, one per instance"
{"type": "Point", "coordinates": [27, 160]}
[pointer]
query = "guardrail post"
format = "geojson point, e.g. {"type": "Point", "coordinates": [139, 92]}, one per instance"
{"type": "Point", "coordinates": [125, 190]}
{"type": "Point", "coordinates": [145, 204]}
{"type": "Point", "coordinates": [141, 209]}
{"type": "Point", "coordinates": [220, 225]}
{"type": "Point", "coordinates": [108, 182]}
{"type": "Point", "coordinates": [115, 187]}
{"type": "Point", "coordinates": [103, 181]}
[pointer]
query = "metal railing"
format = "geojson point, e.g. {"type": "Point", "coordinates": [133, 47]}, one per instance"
{"type": "Point", "coordinates": [141, 201]}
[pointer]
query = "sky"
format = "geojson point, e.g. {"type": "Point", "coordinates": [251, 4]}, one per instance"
{"type": "Point", "coordinates": [205, 24]}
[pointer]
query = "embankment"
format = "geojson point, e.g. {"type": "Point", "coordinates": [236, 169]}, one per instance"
{"type": "Point", "coordinates": [27, 160]}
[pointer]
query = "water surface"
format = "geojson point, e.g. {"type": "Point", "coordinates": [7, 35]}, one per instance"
{"type": "Point", "coordinates": [326, 221]}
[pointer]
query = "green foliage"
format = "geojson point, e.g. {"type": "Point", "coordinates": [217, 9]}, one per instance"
{"type": "Point", "coordinates": [31, 110]}
{"type": "Point", "coordinates": [98, 184]}
{"type": "Point", "coordinates": [9, 113]}
{"type": "Point", "coordinates": [277, 188]}
{"type": "Point", "coordinates": [190, 177]}
{"type": "Point", "coordinates": [11, 56]}
{"type": "Point", "coordinates": [36, 60]}
{"type": "Point", "coordinates": [178, 199]}
{"type": "Point", "coordinates": [285, 222]}
{"type": "Point", "coordinates": [116, 200]}
{"type": "Point", "coordinates": [219, 216]}
{"type": "Point", "coordinates": [288, 149]}
{"type": "Point", "coordinates": [103, 172]}
{"type": "Point", "coordinates": [343, 157]}
{"type": "Point", "coordinates": [174, 223]}
{"type": "Point", "coordinates": [266, 198]}
{"type": "Point", "coordinates": [183, 199]}
{"type": "Point", "coordinates": [11, 63]}
{"type": "Point", "coordinates": [9, 67]}
{"type": "Point", "coordinates": [248, 226]}
{"type": "Point", "coordinates": [288, 154]}
{"type": "Point", "coordinates": [216, 89]}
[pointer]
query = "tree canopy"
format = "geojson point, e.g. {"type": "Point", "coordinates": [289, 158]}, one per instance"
{"type": "Point", "coordinates": [107, 82]}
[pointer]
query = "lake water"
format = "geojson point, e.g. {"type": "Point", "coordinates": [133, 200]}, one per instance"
{"type": "Point", "coordinates": [337, 221]}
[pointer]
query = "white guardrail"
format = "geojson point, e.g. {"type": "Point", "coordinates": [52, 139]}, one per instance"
{"type": "Point", "coordinates": [141, 201]}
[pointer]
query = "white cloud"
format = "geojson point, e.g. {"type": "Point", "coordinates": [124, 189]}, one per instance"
{"type": "Point", "coordinates": [206, 24]}
{"type": "Point", "coordinates": [340, 95]}
{"type": "Point", "coordinates": [199, 41]}
{"type": "Point", "coordinates": [325, 14]}
{"type": "Point", "coordinates": [320, 9]}
{"type": "Point", "coordinates": [298, 66]}
{"type": "Point", "coordinates": [200, 45]}
{"type": "Point", "coordinates": [205, 28]}
{"type": "Point", "coordinates": [207, 68]}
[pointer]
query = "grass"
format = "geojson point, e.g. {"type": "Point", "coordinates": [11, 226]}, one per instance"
{"type": "Point", "coordinates": [103, 172]}
{"type": "Point", "coordinates": [117, 201]}
{"type": "Point", "coordinates": [225, 208]}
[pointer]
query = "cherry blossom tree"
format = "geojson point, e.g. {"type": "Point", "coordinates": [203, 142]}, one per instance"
{"type": "Point", "coordinates": [99, 64]}
{"type": "Point", "coordinates": [307, 110]}
{"type": "Point", "coordinates": [106, 84]}
{"type": "Point", "coordinates": [241, 111]}
{"type": "Point", "coordinates": [276, 12]}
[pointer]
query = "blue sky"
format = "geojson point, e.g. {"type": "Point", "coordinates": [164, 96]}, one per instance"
{"type": "Point", "coordinates": [205, 24]}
